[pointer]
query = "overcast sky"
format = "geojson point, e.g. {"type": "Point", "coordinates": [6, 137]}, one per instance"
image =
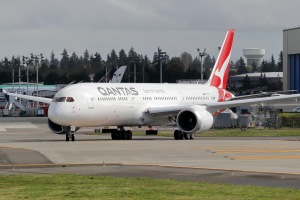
{"type": "Point", "coordinates": [39, 26]}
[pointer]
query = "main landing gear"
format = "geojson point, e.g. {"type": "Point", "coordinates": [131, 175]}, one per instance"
{"type": "Point", "coordinates": [121, 134]}
{"type": "Point", "coordinates": [179, 135]}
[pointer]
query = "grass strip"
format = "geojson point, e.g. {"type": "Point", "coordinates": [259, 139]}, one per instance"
{"type": "Point", "coordinates": [61, 186]}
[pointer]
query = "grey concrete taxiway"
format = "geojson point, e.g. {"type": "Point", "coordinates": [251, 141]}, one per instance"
{"type": "Point", "coordinates": [27, 146]}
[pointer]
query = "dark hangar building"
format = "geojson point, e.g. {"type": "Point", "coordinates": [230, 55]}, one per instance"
{"type": "Point", "coordinates": [291, 59]}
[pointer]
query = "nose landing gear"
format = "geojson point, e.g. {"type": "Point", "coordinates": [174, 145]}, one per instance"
{"type": "Point", "coordinates": [70, 133]}
{"type": "Point", "coordinates": [70, 136]}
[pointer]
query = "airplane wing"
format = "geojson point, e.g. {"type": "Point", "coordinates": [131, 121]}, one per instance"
{"type": "Point", "coordinates": [215, 106]}
{"type": "Point", "coordinates": [28, 97]}
{"type": "Point", "coordinates": [170, 110]}
{"type": "Point", "coordinates": [262, 94]}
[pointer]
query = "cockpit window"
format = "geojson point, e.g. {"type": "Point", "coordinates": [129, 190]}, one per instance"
{"type": "Point", "coordinates": [70, 99]}
{"type": "Point", "coordinates": [59, 99]}
{"type": "Point", "coordinates": [63, 99]}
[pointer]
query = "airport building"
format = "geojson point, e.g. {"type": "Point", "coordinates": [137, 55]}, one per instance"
{"type": "Point", "coordinates": [291, 59]}
{"type": "Point", "coordinates": [272, 78]}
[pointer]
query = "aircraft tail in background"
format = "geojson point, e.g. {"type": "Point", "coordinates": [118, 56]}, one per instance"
{"type": "Point", "coordinates": [219, 74]}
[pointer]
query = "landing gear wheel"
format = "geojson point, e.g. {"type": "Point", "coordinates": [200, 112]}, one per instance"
{"type": "Point", "coordinates": [123, 135]}
{"type": "Point", "coordinates": [113, 135]}
{"type": "Point", "coordinates": [118, 135]}
{"type": "Point", "coordinates": [181, 135]}
{"type": "Point", "coordinates": [192, 136]}
{"type": "Point", "coordinates": [129, 135]}
{"type": "Point", "coordinates": [70, 136]}
{"type": "Point", "coordinates": [176, 134]}
{"type": "Point", "coordinates": [186, 136]}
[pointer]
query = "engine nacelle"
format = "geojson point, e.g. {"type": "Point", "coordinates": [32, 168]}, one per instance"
{"type": "Point", "coordinates": [194, 119]}
{"type": "Point", "coordinates": [59, 129]}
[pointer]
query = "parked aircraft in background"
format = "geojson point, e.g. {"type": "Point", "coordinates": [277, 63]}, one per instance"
{"type": "Point", "coordinates": [114, 75]}
{"type": "Point", "coordinates": [190, 106]}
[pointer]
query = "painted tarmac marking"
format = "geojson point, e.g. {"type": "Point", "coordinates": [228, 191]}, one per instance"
{"type": "Point", "coordinates": [256, 151]}
{"type": "Point", "coordinates": [264, 157]}
{"type": "Point", "coordinates": [240, 147]}
{"type": "Point", "coordinates": [11, 147]}
{"type": "Point", "coordinates": [142, 164]}
{"type": "Point", "coordinates": [233, 152]}
{"type": "Point", "coordinates": [14, 125]}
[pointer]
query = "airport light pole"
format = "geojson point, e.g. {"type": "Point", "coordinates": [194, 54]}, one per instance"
{"type": "Point", "coordinates": [201, 54]}
{"type": "Point", "coordinates": [134, 60]}
{"type": "Point", "coordinates": [159, 57]}
{"type": "Point", "coordinates": [13, 74]}
{"type": "Point", "coordinates": [143, 63]}
{"type": "Point", "coordinates": [27, 61]}
{"type": "Point", "coordinates": [37, 59]}
{"type": "Point", "coordinates": [19, 65]}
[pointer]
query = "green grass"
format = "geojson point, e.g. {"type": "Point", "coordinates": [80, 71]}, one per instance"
{"type": "Point", "coordinates": [94, 187]}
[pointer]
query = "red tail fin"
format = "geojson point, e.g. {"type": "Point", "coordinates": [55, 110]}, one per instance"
{"type": "Point", "coordinates": [219, 75]}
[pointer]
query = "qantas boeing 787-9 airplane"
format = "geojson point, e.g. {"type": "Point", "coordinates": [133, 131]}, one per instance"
{"type": "Point", "coordinates": [189, 106]}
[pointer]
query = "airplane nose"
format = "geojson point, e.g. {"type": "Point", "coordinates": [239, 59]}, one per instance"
{"type": "Point", "coordinates": [55, 113]}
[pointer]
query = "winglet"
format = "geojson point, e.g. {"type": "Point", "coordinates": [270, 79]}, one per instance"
{"type": "Point", "coordinates": [219, 75]}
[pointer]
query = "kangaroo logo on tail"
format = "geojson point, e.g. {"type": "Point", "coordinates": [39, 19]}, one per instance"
{"type": "Point", "coordinates": [219, 75]}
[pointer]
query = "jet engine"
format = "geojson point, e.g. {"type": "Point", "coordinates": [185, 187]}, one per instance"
{"type": "Point", "coordinates": [194, 119]}
{"type": "Point", "coordinates": [59, 129]}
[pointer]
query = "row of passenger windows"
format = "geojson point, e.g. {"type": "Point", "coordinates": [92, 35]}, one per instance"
{"type": "Point", "coordinates": [107, 99]}
{"type": "Point", "coordinates": [112, 98]}
{"type": "Point", "coordinates": [63, 99]}
{"type": "Point", "coordinates": [70, 99]}
{"type": "Point", "coordinates": [161, 98]}
{"type": "Point", "coordinates": [153, 98]}
{"type": "Point", "coordinates": [196, 98]}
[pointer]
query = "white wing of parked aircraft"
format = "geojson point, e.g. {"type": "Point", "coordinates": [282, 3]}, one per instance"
{"type": "Point", "coordinates": [190, 106]}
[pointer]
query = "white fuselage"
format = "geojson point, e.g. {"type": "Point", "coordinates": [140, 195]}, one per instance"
{"type": "Point", "coordinates": [123, 104]}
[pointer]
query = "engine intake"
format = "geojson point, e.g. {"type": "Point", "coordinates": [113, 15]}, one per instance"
{"type": "Point", "coordinates": [56, 128]}
{"type": "Point", "coordinates": [194, 119]}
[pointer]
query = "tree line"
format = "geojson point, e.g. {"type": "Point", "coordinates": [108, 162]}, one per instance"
{"type": "Point", "coordinates": [91, 67]}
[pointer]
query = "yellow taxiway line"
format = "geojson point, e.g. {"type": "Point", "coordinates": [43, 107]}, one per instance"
{"type": "Point", "coordinates": [256, 151]}
{"type": "Point", "coordinates": [263, 157]}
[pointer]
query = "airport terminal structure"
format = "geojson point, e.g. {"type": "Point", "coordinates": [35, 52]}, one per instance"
{"type": "Point", "coordinates": [291, 59]}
